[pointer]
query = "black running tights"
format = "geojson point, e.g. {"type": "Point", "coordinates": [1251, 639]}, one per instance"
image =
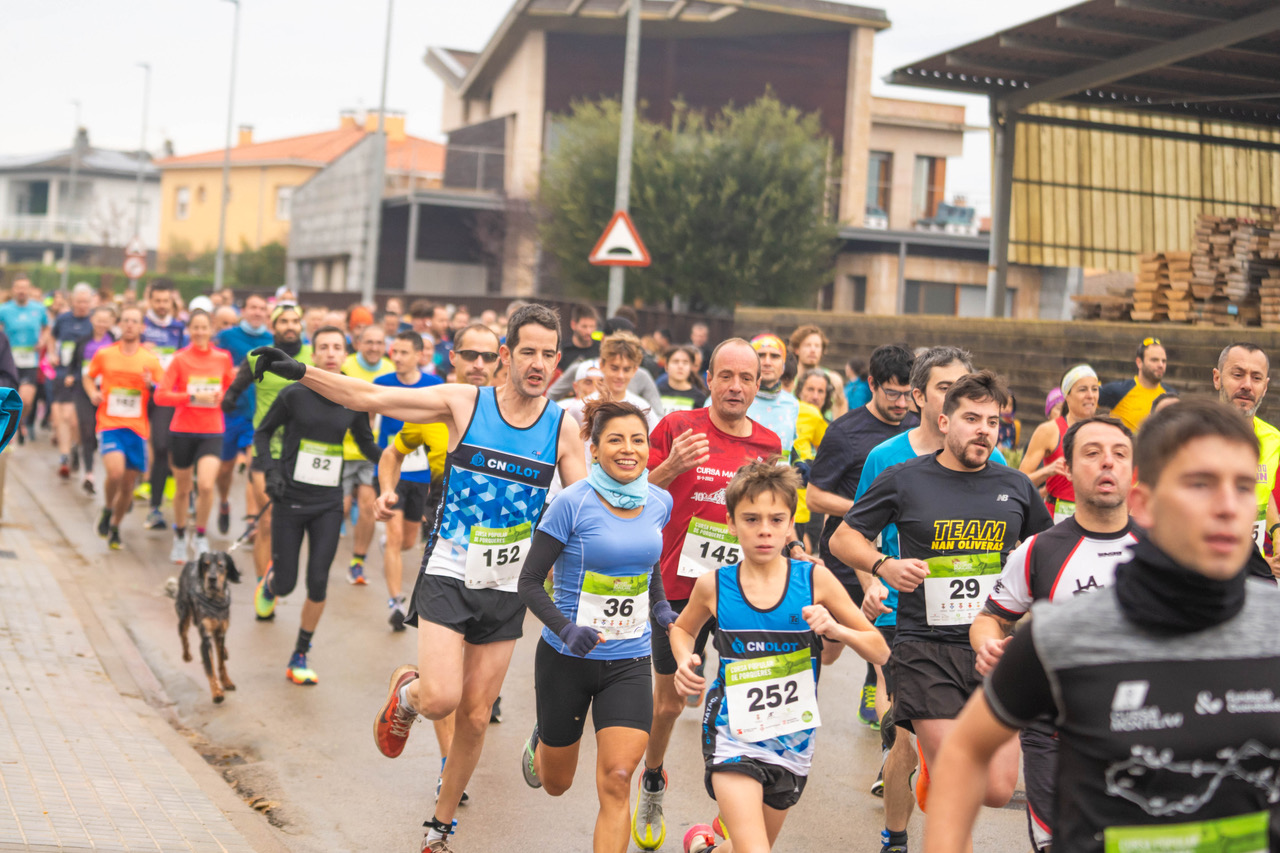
{"type": "Point", "coordinates": [321, 525]}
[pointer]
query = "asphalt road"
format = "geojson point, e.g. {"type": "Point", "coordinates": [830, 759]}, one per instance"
{"type": "Point", "coordinates": [308, 752]}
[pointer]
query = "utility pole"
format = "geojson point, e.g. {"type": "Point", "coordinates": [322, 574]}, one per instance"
{"type": "Point", "coordinates": [626, 140]}
{"type": "Point", "coordinates": [71, 195]}
{"type": "Point", "coordinates": [142, 162]}
{"type": "Point", "coordinates": [219, 266]}
{"type": "Point", "coordinates": [377, 178]}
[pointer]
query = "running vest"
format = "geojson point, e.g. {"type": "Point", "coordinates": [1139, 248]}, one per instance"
{"type": "Point", "coordinates": [495, 487]}
{"type": "Point", "coordinates": [764, 699]}
{"type": "Point", "coordinates": [266, 391]}
{"type": "Point", "coordinates": [1176, 729]}
{"type": "Point", "coordinates": [1268, 462]}
{"type": "Point", "coordinates": [1062, 495]}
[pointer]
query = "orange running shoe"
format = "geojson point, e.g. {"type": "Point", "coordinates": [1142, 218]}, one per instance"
{"type": "Point", "coordinates": [391, 727]}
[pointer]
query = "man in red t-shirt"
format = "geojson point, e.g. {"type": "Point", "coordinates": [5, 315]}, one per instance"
{"type": "Point", "coordinates": [693, 455]}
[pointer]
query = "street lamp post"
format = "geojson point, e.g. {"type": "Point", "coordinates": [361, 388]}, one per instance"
{"type": "Point", "coordinates": [142, 162]}
{"type": "Point", "coordinates": [219, 266]}
{"type": "Point", "coordinates": [71, 195]}
{"type": "Point", "coordinates": [377, 178]}
{"type": "Point", "coordinates": [626, 139]}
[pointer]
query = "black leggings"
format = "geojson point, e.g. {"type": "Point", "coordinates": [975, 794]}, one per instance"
{"type": "Point", "coordinates": [86, 417]}
{"type": "Point", "coordinates": [289, 522]}
{"type": "Point", "coordinates": [160, 418]}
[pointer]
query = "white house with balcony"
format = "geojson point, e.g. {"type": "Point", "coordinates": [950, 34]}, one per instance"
{"type": "Point", "coordinates": [39, 208]}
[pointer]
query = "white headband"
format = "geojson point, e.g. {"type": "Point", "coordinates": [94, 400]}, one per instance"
{"type": "Point", "coordinates": [1074, 375]}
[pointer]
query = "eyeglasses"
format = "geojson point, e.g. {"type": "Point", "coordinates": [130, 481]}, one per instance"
{"type": "Point", "coordinates": [472, 355]}
{"type": "Point", "coordinates": [1146, 342]}
{"type": "Point", "coordinates": [891, 395]}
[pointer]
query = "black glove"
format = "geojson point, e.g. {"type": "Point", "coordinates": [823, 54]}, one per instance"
{"type": "Point", "coordinates": [663, 614]}
{"type": "Point", "coordinates": [229, 400]}
{"type": "Point", "coordinates": [579, 639]}
{"type": "Point", "coordinates": [275, 484]}
{"type": "Point", "coordinates": [279, 363]}
{"type": "Point", "coordinates": [803, 469]}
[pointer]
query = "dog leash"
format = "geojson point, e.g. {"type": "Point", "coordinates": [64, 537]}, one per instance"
{"type": "Point", "coordinates": [250, 527]}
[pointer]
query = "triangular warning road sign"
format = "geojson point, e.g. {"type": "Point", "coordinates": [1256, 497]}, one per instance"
{"type": "Point", "coordinates": [620, 245]}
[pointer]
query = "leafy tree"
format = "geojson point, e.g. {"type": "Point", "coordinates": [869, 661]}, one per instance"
{"type": "Point", "coordinates": [261, 267]}
{"type": "Point", "coordinates": [730, 207]}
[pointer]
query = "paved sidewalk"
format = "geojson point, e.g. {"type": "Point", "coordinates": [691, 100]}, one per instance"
{"type": "Point", "coordinates": [79, 768]}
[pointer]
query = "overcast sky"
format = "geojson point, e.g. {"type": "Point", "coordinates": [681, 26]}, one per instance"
{"type": "Point", "coordinates": [302, 61]}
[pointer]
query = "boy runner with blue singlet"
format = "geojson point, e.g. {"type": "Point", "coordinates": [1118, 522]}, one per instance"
{"type": "Point", "coordinates": [506, 443]}
{"type": "Point", "coordinates": [24, 321]}
{"type": "Point", "coordinates": [772, 615]}
{"type": "Point", "coordinates": [604, 537]}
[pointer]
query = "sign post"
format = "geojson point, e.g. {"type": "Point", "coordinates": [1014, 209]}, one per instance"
{"type": "Point", "coordinates": [626, 138]}
{"type": "Point", "coordinates": [135, 262]}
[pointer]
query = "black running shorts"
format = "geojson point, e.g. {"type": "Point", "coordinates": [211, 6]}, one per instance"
{"type": "Point", "coordinates": [618, 692]}
{"type": "Point", "coordinates": [782, 788]}
{"type": "Point", "coordinates": [187, 448]}
{"type": "Point", "coordinates": [479, 615]}
{"type": "Point", "coordinates": [931, 681]}
{"type": "Point", "coordinates": [413, 500]}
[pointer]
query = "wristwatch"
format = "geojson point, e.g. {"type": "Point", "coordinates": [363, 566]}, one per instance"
{"type": "Point", "coordinates": [792, 545]}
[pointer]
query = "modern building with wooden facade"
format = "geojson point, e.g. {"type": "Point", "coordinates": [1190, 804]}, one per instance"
{"type": "Point", "coordinates": [1117, 122]}
{"type": "Point", "coordinates": [501, 106]}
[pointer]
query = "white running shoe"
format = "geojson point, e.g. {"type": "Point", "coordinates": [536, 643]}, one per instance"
{"type": "Point", "coordinates": [200, 544]}
{"type": "Point", "coordinates": [178, 553]}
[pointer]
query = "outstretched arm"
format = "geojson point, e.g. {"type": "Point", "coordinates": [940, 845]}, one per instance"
{"type": "Point", "coordinates": [437, 404]}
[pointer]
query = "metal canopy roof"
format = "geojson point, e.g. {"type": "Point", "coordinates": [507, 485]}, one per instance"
{"type": "Point", "coordinates": [662, 19]}
{"type": "Point", "coordinates": [1216, 60]}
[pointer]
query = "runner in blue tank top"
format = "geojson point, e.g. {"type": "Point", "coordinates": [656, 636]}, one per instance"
{"type": "Point", "coordinates": [772, 615]}
{"type": "Point", "coordinates": [604, 536]}
{"type": "Point", "coordinates": [505, 444]}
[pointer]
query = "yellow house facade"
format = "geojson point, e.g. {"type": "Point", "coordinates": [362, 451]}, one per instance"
{"type": "Point", "coordinates": [264, 176]}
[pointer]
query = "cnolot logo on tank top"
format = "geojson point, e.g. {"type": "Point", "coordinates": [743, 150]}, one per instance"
{"type": "Point", "coordinates": [494, 463]}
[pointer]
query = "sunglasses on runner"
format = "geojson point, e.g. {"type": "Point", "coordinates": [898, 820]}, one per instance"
{"type": "Point", "coordinates": [472, 355]}
{"type": "Point", "coordinates": [1146, 342]}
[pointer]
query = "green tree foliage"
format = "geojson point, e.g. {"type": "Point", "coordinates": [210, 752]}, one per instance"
{"type": "Point", "coordinates": [730, 207]}
{"type": "Point", "coordinates": [262, 267]}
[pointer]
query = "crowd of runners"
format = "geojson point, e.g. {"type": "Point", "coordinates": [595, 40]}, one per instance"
{"type": "Point", "coordinates": [707, 524]}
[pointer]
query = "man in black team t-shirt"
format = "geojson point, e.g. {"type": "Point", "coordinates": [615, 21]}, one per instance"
{"type": "Point", "coordinates": [958, 517]}
{"type": "Point", "coordinates": [1163, 686]}
{"type": "Point", "coordinates": [1077, 556]}
{"type": "Point", "coordinates": [838, 466]}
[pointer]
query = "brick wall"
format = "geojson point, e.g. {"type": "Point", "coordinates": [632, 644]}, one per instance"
{"type": "Point", "coordinates": [1032, 354]}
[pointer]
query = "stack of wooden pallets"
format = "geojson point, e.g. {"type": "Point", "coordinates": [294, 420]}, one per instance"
{"type": "Point", "coordinates": [1162, 288]}
{"type": "Point", "coordinates": [1229, 265]}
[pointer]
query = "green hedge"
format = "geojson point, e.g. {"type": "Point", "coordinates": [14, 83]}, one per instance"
{"type": "Point", "coordinates": [49, 279]}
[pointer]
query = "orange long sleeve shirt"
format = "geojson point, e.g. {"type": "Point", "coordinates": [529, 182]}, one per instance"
{"type": "Point", "coordinates": [191, 372]}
